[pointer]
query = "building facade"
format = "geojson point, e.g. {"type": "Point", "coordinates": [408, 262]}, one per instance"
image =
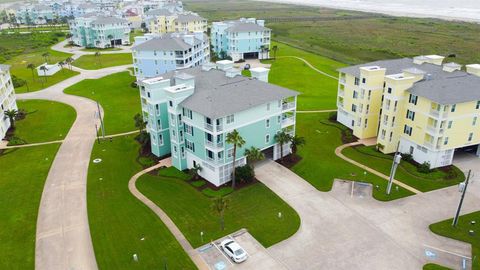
{"type": "Point", "coordinates": [190, 113]}
{"type": "Point", "coordinates": [93, 31]}
{"type": "Point", "coordinates": [417, 106]}
{"type": "Point", "coordinates": [241, 39]}
{"type": "Point", "coordinates": [7, 98]}
{"type": "Point", "coordinates": [166, 21]}
{"type": "Point", "coordinates": [154, 54]}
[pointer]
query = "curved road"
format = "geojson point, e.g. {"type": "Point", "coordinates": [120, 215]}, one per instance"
{"type": "Point", "coordinates": [63, 234]}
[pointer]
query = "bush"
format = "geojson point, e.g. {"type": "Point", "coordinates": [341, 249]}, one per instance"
{"type": "Point", "coordinates": [407, 157]}
{"type": "Point", "coordinates": [17, 82]}
{"type": "Point", "coordinates": [380, 146]}
{"type": "Point", "coordinates": [424, 167]}
{"type": "Point", "coordinates": [245, 173]}
{"type": "Point", "coordinates": [143, 138]}
{"type": "Point", "coordinates": [333, 117]}
{"type": "Point", "coordinates": [134, 84]}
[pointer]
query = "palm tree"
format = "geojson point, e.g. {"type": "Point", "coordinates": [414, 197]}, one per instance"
{"type": "Point", "coordinates": [139, 122]}
{"type": "Point", "coordinates": [69, 36]}
{"type": "Point", "coordinates": [97, 55]}
{"type": "Point", "coordinates": [219, 205]}
{"type": "Point", "coordinates": [61, 64]}
{"type": "Point", "coordinates": [69, 61]}
{"type": "Point", "coordinates": [32, 67]}
{"type": "Point", "coordinates": [44, 69]}
{"type": "Point", "coordinates": [275, 49]}
{"type": "Point", "coordinates": [282, 138]}
{"type": "Point", "coordinates": [253, 154]}
{"type": "Point", "coordinates": [296, 142]}
{"type": "Point", "coordinates": [110, 37]}
{"type": "Point", "coordinates": [11, 115]}
{"type": "Point", "coordinates": [195, 170]}
{"type": "Point", "coordinates": [45, 56]}
{"type": "Point", "coordinates": [237, 141]}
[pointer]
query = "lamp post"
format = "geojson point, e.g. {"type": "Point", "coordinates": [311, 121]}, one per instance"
{"type": "Point", "coordinates": [396, 160]}
{"type": "Point", "coordinates": [463, 189]}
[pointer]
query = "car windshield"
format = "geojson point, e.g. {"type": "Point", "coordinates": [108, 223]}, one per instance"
{"type": "Point", "coordinates": [239, 252]}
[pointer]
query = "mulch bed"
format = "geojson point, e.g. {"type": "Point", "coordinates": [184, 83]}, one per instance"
{"type": "Point", "coordinates": [290, 160]}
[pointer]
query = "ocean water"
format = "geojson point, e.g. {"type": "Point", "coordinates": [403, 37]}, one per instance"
{"type": "Point", "coordinates": [464, 10]}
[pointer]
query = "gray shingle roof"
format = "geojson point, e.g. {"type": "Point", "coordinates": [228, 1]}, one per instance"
{"type": "Point", "coordinates": [108, 20]}
{"type": "Point", "coordinates": [189, 18]}
{"type": "Point", "coordinates": [158, 12]}
{"type": "Point", "coordinates": [4, 67]}
{"type": "Point", "coordinates": [246, 27]}
{"type": "Point", "coordinates": [439, 86]}
{"type": "Point", "coordinates": [217, 95]}
{"type": "Point", "coordinates": [165, 43]}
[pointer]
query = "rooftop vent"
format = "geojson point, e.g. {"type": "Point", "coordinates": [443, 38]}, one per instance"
{"type": "Point", "coordinates": [474, 69]}
{"type": "Point", "coordinates": [224, 64]}
{"type": "Point", "coordinates": [451, 67]}
{"type": "Point", "coordinates": [260, 73]}
{"type": "Point", "coordinates": [431, 59]}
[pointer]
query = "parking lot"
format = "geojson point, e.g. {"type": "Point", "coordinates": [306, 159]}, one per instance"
{"type": "Point", "coordinates": [258, 256]}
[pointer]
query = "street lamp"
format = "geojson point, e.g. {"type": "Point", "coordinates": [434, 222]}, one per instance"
{"type": "Point", "coordinates": [462, 187]}
{"type": "Point", "coordinates": [396, 160]}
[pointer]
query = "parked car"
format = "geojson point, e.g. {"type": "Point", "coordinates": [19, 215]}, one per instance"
{"type": "Point", "coordinates": [246, 67]}
{"type": "Point", "coordinates": [233, 250]}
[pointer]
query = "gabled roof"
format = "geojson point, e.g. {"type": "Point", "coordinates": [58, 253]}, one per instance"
{"type": "Point", "coordinates": [189, 18]}
{"type": "Point", "coordinates": [159, 12]}
{"type": "Point", "coordinates": [108, 20]}
{"type": "Point", "coordinates": [246, 27]}
{"type": "Point", "coordinates": [164, 43]}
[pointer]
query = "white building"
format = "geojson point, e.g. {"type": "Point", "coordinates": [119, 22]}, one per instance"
{"type": "Point", "coordinates": [7, 98]}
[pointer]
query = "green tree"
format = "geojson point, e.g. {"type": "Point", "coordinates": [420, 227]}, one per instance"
{"type": "Point", "coordinates": [69, 36]}
{"type": "Point", "coordinates": [139, 122]}
{"type": "Point", "coordinates": [46, 56]}
{"type": "Point", "coordinates": [61, 64]}
{"type": "Point", "coordinates": [110, 37]}
{"type": "Point", "coordinates": [194, 172]}
{"type": "Point", "coordinates": [219, 205]}
{"type": "Point", "coordinates": [11, 115]}
{"type": "Point", "coordinates": [32, 68]}
{"type": "Point", "coordinates": [69, 62]}
{"type": "Point", "coordinates": [253, 155]}
{"type": "Point", "coordinates": [222, 54]}
{"type": "Point", "coordinates": [282, 138]}
{"type": "Point", "coordinates": [237, 141]}
{"type": "Point", "coordinates": [297, 141]}
{"type": "Point", "coordinates": [275, 49]}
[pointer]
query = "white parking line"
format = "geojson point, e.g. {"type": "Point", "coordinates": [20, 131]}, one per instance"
{"type": "Point", "coordinates": [221, 251]}
{"type": "Point", "coordinates": [448, 252]}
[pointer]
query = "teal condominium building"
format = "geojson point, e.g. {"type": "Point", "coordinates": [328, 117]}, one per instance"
{"type": "Point", "coordinates": [93, 31]}
{"type": "Point", "coordinates": [7, 98]}
{"type": "Point", "coordinates": [190, 113]}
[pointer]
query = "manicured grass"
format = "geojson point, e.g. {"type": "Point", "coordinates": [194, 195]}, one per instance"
{"type": "Point", "coordinates": [461, 233]}
{"type": "Point", "coordinates": [19, 68]}
{"type": "Point", "coordinates": [217, 193]}
{"type": "Point", "coordinates": [432, 266]}
{"type": "Point", "coordinates": [118, 221]}
{"type": "Point", "coordinates": [134, 34]}
{"type": "Point", "coordinates": [22, 176]}
{"type": "Point", "coordinates": [45, 121]}
{"type": "Point", "coordinates": [198, 183]}
{"type": "Point", "coordinates": [246, 73]}
{"type": "Point", "coordinates": [406, 172]}
{"type": "Point", "coordinates": [119, 100]}
{"type": "Point", "coordinates": [254, 207]}
{"type": "Point", "coordinates": [319, 164]}
{"type": "Point", "coordinates": [317, 91]}
{"type": "Point", "coordinates": [100, 49]}
{"type": "Point", "coordinates": [103, 61]}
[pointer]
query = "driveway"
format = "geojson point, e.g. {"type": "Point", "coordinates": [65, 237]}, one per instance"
{"type": "Point", "coordinates": [343, 232]}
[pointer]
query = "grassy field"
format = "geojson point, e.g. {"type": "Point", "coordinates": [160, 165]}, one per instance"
{"type": "Point", "coordinates": [17, 44]}
{"type": "Point", "coordinates": [119, 100]}
{"type": "Point", "coordinates": [319, 164]}
{"type": "Point", "coordinates": [254, 207]}
{"type": "Point", "coordinates": [118, 221]}
{"type": "Point", "coordinates": [317, 91]}
{"type": "Point", "coordinates": [22, 177]}
{"type": "Point", "coordinates": [432, 266]}
{"type": "Point", "coordinates": [45, 121]}
{"type": "Point", "coordinates": [406, 173]}
{"type": "Point", "coordinates": [353, 40]}
{"type": "Point", "coordinates": [93, 62]}
{"type": "Point", "coordinates": [444, 228]}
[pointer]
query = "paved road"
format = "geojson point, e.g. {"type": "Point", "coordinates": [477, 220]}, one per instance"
{"type": "Point", "coordinates": [63, 234]}
{"type": "Point", "coordinates": [343, 232]}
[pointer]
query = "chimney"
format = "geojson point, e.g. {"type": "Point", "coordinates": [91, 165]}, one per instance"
{"type": "Point", "coordinates": [473, 69]}
{"type": "Point", "coordinates": [260, 73]}
{"type": "Point", "coordinates": [451, 67]}
{"type": "Point", "coordinates": [431, 59]}
{"type": "Point", "coordinates": [224, 64]}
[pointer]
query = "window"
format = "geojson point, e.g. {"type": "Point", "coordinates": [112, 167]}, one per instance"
{"type": "Point", "coordinates": [160, 139]}
{"type": "Point", "coordinates": [366, 123]}
{"type": "Point", "coordinates": [170, 103]}
{"type": "Point", "coordinates": [390, 137]}
{"type": "Point", "coordinates": [354, 108]}
{"type": "Point", "coordinates": [387, 107]}
{"type": "Point", "coordinates": [445, 142]}
{"type": "Point", "coordinates": [395, 106]}
{"type": "Point", "coordinates": [393, 121]}
{"type": "Point", "coordinates": [454, 106]}
{"type": "Point", "coordinates": [364, 80]}
{"type": "Point", "coordinates": [230, 153]}
{"type": "Point", "coordinates": [190, 145]}
{"type": "Point", "coordinates": [230, 119]}
{"type": "Point", "coordinates": [407, 130]}
{"type": "Point", "coordinates": [355, 94]}
{"type": "Point", "coordinates": [474, 122]}
{"type": "Point", "coordinates": [383, 134]}
{"type": "Point", "coordinates": [470, 137]}
{"type": "Point", "coordinates": [148, 94]}
{"type": "Point", "coordinates": [450, 123]}
{"type": "Point", "coordinates": [267, 123]}
{"type": "Point", "coordinates": [389, 90]}
{"type": "Point", "coordinates": [267, 138]}
{"type": "Point", "coordinates": [188, 129]}
{"type": "Point", "coordinates": [159, 124]}
{"type": "Point", "coordinates": [172, 117]}
{"type": "Point", "coordinates": [412, 99]}
{"type": "Point", "coordinates": [478, 105]}
{"type": "Point", "coordinates": [182, 152]}
{"type": "Point", "coordinates": [357, 81]}
{"type": "Point", "coordinates": [410, 115]}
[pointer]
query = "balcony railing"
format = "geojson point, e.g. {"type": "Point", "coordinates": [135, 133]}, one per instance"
{"type": "Point", "coordinates": [209, 127]}
{"type": "Point", "coordinates": [213, 144]}
{"type": "Point", "coordinates": [342, 80]}
{"type": "Point", "coordinates": [288, 121]}
{"type": "Point", "coordinates": [288, 106]}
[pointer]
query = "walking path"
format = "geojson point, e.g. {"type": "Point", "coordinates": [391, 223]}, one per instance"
{"type": "Point", "coordinates": [311, 66]}
{"type": "Point", "coordinates": [63, 235]}
{"type": "Point", "coordinates": [338, 152]}
{"type": "Point", "coordinates": [194, 255]}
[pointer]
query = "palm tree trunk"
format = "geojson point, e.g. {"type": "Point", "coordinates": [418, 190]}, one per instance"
{"type": "Point", "coordinates": [233, 164]}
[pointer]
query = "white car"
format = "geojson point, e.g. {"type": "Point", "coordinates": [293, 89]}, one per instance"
{"type": "Point", "coordinates": [233, 250]}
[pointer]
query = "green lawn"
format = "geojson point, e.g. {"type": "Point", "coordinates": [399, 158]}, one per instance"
{"type": "Point", "coordinates": [33, 82]}
{"type": "Point", "coordinates": [100, 49]}
{"type": "Point", "coordinates": [45, 121]}
{"type": "Point", "coordinates": [119, 100]}
{"type": "Point", "coordinates": [255, 208]}
{"type": "Point", "coordinates": [432, 266]}
{"type": "Point", "coordinates": [103, 61]}
{"type": "Point", "coordinates": [118, 221]}
{"type": "Point", "coordinates": [319, 164]}
{"type": "Point", "coordinates": [461, 233]}
{"type": "Point", "coordinates": [406, 172]}
{"type": "Point", "coordinates": [134, 34]}
{"type": "Point", "coordinates": [22, 177]}
{"type": "Point", "coordinates": [318, 92]}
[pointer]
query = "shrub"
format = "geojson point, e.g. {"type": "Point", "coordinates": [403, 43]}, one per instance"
{"type": "Point", "coordinates": [380, 146]}
{"type": "Point", "coordinates": [245, 173]}
{"type": "Point", "coordinates": [143, 138]}
{"type": "Point", "coordinates": [134, 84]}
{"type": "Point", "coordinates": [407, 157]}
{"type": "Point", "coordinates": [333, 117]}
{"type": "Point", "coordinates": [17, 82]}
{"type": "Point", "coordinates": [424, 167]}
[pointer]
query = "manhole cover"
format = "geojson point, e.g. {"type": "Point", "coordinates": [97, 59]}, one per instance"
{"type": "Point", "coordinates": [97, 160]}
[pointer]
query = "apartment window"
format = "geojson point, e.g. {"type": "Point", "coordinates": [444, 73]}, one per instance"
{"type": "Point", "coordinates": [170, 103]}
{"type": "Point", "coordinates": [369, 94]}
{"type": "Point", "coordinates": [230, 119]}
{"type": "Point", "coordinates": [188, 129]}
{"type": "Point", "coordinates": [387, 107]}
{"type": "Point", "coordinates": [413, 99]}
{"type": "Point", "coordinates": [407, 130]}
{"type": "Point", "coordinates": [210, 154]}
{"type": "Point", "coordinates": [354, 108]}
{"type": "Point", "coordinates": [190, 145]}
{"type": "Point", "coordinates": [445, 142]}
{"type": "Point", "coordinates": [357, 81]}
{"type": "Point", "coordinates": [368, 109]}
{"type": "Point", "coordinates": [182, 152]}
{"type": "Point", "coordinates": [355, 94]}
{"type": "Point", "coordinates": [390, 137]}
{"type": "Point", "coordinates": [450, 123]}
{"type": "Point", "coordinates": [389, 90]}
{"type": "Point", "coordinates": [454, 106]}
{"type": "Point", "coordinates": [478, 105]}
{"type": "Point", "coordinates": [172, 117]}
{"type": "Point", "coordinates": [383, 134]}
{"type": "Point", "coordinates": [148, 94]}
{"type": "Point", "coordinates": [470, 137]}
{"type": "Point", "coordinates": [267, 138]}
{"type": "Point", "coordinates": [366, 123]}
{"type": "Point", "coordinates": [175, 150]}
{"type": "Point", "coordinates": [230, 153]}
{"type": "Point", "coordinates": [364, 80]}
{"type": "Point", "coordinates": [474, 122]}
{"type": "Point", "coordinates": [410, 115]}
{"type": "Point", "coordinates": [385, 119]}
{"type": "Point", "coordinates": [395, 106]}
{"type": "Point", "coordinates": [160, 139]}
{"type": "Point", "coordinates": [393, 121]}
{"type": "Point", "coordinates": [159, 124]}
{"type": "Point", "coordinates": [267, 123]}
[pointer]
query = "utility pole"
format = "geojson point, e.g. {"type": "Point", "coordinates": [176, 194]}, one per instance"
{"type": "Point", "coordinates": [463, 188]}
{"type": "Point", "coordinates": [101, 120]}
{"type": "Point", "coordinates": [396, 161]}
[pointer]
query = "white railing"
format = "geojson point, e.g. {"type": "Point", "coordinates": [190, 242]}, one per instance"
{"type": "Point", "coordinates": [214, 145]}
{"type": "Point", "coordinates": [288, 106]}
{"type": "Point", "coordinates": [209, 127]}
{"type": "Point", "coordinates": [288, 121]}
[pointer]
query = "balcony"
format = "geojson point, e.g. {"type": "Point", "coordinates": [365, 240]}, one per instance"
{"type": "Point", "coordinates": [288, 121]}
{"type": "Point", "coordinates": [288, 106]}
{"type": "Point", "coordinates": [214, 145]}
{"type": "Point", "coordinates": [342, 80]}
{"type": "Point", "coordinates": [209, 127]}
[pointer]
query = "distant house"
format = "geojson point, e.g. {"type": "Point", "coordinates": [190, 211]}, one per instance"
{"type": "Point", "coordinates": [241, 39]}
{"type": "Point", "coordinates": [166, 21]}
{"type": "Point", "coordinates": [48, 70]}
{"type": "Point", "coordinates": [99, 31]}
{"type": "Point", "coordinates": [7, 98]}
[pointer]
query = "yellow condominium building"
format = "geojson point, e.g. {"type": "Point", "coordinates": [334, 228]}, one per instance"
{"type": "Point", "coordinates": [418, 106]}
{"type": "Point", "coordinates": [163, 21]}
